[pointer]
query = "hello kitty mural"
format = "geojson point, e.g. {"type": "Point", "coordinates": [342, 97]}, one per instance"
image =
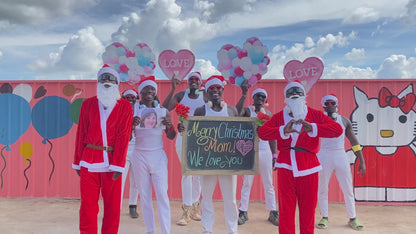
{"type": "Point", "coordinates": [386, 128]}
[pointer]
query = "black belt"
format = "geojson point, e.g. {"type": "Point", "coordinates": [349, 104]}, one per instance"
{"type": "Point", "coordinates": [299, 149]}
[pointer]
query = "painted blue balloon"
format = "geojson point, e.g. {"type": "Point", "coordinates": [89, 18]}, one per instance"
{"type": "Point", "coordinates": [51, 117]}
{"type": "Point", "coordinates": [15, 118]}
{"type": "Point", "coordinates": [120, 51]}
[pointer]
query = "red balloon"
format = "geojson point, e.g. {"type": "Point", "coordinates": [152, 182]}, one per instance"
{"type": "Point", "coordinates": [238, 71]}
{"type": "Point", "coordinates": [124, 68]}
{"type": "Point", "coordinates": [232, 79]}
{"type": "Point", "coordinates": [258, 76]}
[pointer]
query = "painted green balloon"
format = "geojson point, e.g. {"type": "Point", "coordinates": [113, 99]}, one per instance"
{"type": "Point", "coordinates": [75, 109]}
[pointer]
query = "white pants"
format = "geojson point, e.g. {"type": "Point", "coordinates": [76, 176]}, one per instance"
{"type": "Point", "coordinates": [335, 161]}
{"type": "Point", "coordinates": [148, 167]}
{"type": "Point", "coordinates": [134, 190]}
{"type": "Point", "coordinates": [266, 171]}
{"type": "Point", "coordinates": [228, 185]}
{"type": "Point", "coordinates": [191, 184]}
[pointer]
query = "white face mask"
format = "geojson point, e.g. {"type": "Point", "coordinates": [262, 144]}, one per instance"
{"type": "Point", "coordinates": [297, 106]}
{"type": "Point", "coordinates": [108, 96]}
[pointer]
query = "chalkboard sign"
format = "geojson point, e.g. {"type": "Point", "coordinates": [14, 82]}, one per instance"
{"type": "Point", "coordinates": [219, 146]}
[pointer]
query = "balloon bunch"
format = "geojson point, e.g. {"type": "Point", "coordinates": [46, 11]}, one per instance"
{"type": "Point", "coordinates": [238, 65]}
{"type": "Point", "coordinates": [132, 65]}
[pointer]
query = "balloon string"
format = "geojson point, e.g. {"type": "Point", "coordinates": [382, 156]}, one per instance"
{"type": "Point", "coordinates": [24, 173]}
{"type": "Point", "coordinates": [53, 163]}
{"type": "Point", "coordinates": [4, 167]}
{"type": "Point", "coordinates": [77, 94]}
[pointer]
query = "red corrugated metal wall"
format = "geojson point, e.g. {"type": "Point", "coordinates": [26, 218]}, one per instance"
{"type": "Point", "coordinates": [49, 173]}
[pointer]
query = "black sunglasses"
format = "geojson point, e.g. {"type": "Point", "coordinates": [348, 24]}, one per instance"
{"type": "Point", "coordinates": [294, 90]}
{"type": "Point", "coordinates": [330, 103]}
{"type": "Point", "coordinates": [107, 76]}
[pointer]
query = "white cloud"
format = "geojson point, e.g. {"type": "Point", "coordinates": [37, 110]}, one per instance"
{"type": "Point", "coordinates": [397, 66]}
{"type": "Point", "coordinates": [214, 11]}
{"type": "Point", "coordinates": [362, 15]}
{"type": "Point", "coordinates": [336, 71]}
{"type": "Point", "coordinates": [80, 56]}
{"type": "Point", "coordinates": [161, 27]}
{"type": "Point", "coordinates": [206, 68]}
{"type": "Point", "coordinates": [410, 12]}
{"type": "Point", "coordinates": [355, 54]}
{"type": "Point", "coordinates": [1, 55]}
{"type": "Point", "coordinates": [37, 12]}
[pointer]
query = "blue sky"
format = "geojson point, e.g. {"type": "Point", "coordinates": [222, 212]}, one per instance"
{"type": "Point", "coordinates": [65, 39]}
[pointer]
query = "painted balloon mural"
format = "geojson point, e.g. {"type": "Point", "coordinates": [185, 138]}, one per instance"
{"type": "Point", "coordinates": [51, 119]}
{"type": "Point", "coordinates": [243, 64]}
{"type": "Point", "coordinates": [14, 124]}
{"type": "Point", "coordinates": [133, 64]}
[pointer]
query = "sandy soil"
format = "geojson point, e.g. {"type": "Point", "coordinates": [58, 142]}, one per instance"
{"type": "Point", "coordinates": [51, 216]}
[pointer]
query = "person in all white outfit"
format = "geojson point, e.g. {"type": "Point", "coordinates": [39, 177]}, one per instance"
{"type": "Point", "coordinates": [267, 159]}
{"type": "Point", "coordinates": [228, 183]}
{"type": "Point", "coordinates": [149, 161]}
{"type": "Point", "coordinates": [130, 95]}
{"type": "Point", "coordinates": [193, 97]}
{"type": "Point", "coordinates": [334, 159]}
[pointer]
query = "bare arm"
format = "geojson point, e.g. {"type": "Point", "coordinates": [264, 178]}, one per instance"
{"type": "Point", "coordinates": [349, 133]}
{"type": "Point", "coordinates": [170, 130]}
{"type": "Point", "coordinates": [170, 100]}
{"type": "Point", "coordinates": [240, 104]}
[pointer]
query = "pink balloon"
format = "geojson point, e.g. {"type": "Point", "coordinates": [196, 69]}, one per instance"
{"type": "Point", "coordinates": [232, 79]}
{"type": "Point", "coordinates": [262, 67]}
{"type": "Point", "coordinates": [253, 80]}
{"type": "Point", "coordinates": [130, 53]}
{"type": "Point", "coordinates": [227, 47]}
{"type": "Point", "coordinates": [258, 76]}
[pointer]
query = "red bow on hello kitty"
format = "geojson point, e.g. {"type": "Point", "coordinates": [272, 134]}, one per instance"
{"type": "Point", "coordinates": [386, 98]}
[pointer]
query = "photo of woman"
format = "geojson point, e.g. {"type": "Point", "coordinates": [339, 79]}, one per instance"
{"type": "Point", "coordinates": [149, 118]}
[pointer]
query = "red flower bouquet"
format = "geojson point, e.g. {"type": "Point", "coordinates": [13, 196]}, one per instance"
{"type": "Point", "coordinates": [182, 111]}
{"type": "Point", "coordinates": [262, 118]}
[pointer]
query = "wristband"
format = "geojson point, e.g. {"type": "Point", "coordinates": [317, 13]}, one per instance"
{"type": "Point", "coordinates": [356, 148]}
{"type": "Point", "coordinates": [274, 155]}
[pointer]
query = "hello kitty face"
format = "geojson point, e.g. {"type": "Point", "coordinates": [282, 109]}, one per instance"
{"type": "Point", "coordinates": [386, 122]}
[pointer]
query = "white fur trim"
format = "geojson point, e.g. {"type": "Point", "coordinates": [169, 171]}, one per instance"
{"type": "Point", "coordinates": [214, 81]}
{"type": "Point", "coordinates": [294, 84]}
{"type": "Point", "coordinates": [146, 83]}
{"type": "Point", "coordinates": [129, 91]}
{"type": "Point", "coordinates": [329, 97]}
{"type": "Point", "coordinates": [109, 70]}
{"type": "Point", "coordinates": [194, 74]}
{"type": "Point", "coordinates": [259, 90]}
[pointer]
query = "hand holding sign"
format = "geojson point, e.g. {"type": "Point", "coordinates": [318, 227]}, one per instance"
{"type": "Point", "coordinates": [308, 72]}
{"type": "Point", "coordinates": [180, 63]}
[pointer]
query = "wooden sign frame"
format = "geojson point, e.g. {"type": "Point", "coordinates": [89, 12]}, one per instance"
{"type": "Point", "coordinates": [220, 146]}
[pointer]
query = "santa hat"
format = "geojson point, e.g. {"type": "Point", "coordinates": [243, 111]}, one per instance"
{"type": "Point", "coordinates": [329, 97]}
{"type": "Point", "coordinates": [150, 80]}
{"type": "Point", "coordinates": [260, 90]}
{"type": "Point", "coordinates": [107, 69]}
{"type": "Point", "coordinates": [194, 74]}
{"type": "Point", "coordinates": [215, 80]}
{"type": "Point", "coordinates": [130, 91]}
{"type": "Point", "coordinates": [294, 84]}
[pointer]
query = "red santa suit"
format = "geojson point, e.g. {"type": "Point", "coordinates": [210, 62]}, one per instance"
{"type": "Point", "coordinates": [298, 166]}
{"type": "Point", "coordinates": [99, 127]}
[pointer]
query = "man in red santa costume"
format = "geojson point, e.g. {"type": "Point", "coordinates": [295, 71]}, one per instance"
{"type": "Point", "coordinates": [297, 129]}
{"type": "Point", "coordinates": [103, 133]}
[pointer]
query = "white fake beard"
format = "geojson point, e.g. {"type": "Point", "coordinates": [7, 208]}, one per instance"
{"type": "Point", "coordinates": [297, 106]}
{"type": "Point", "coordinates": [108, 96]}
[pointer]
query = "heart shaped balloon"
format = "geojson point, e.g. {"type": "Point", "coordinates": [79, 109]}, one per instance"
{"type": "Point", "coordinates": [307, 73]}
{"type": "Point", "coordinates": [180, 63]}
{"type": "Point", "coordinates": [132, 65]}
{"type": "Point", "coordinates": [247, 64]}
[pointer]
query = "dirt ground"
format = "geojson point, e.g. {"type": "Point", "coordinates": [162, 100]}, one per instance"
{"type": "Point", "coordinates": [53, 215]}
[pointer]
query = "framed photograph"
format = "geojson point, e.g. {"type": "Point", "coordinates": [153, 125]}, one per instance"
{"type": "Point", "coordinates": [151, 117]}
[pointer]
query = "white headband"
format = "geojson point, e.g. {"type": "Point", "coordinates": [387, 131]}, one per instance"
{"type": "Point", "coordinates": [147, 83]}
{"type": "Point", "coordinates": [328, 97]}
{"type": "Point", "coordinates": [259, 90]}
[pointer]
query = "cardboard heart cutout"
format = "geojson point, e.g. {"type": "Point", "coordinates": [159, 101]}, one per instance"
{"type": "Point", "coordinates": [307, 73]}
{"type": "Point", "coordinates": [180, 63]}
